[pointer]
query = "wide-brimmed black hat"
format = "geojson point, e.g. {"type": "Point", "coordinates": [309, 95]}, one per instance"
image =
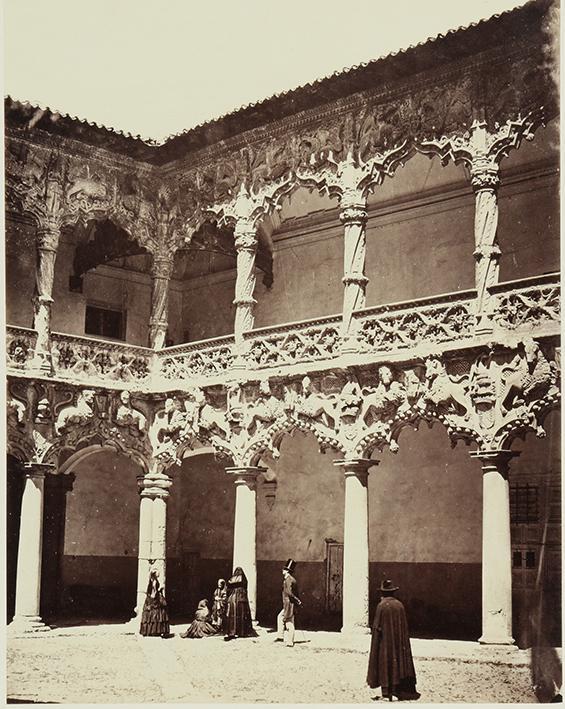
{"type": "Point", "coordinates": [290, 566]}
{"type": "Point", "coordinates": [387, 585]}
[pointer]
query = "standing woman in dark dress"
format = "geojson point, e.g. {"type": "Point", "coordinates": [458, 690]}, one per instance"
{"type": "Point", "coordinates": [155, 619]}
{"type": "Point", "coordinates": [238, 618]}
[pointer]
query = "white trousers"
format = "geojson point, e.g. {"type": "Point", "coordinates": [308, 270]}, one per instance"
{"type": "Point", "coordinates": [287, 625]}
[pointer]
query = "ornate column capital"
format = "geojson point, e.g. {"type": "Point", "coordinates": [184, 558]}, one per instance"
{"type": "Point", "coordinates": [154, 485]}
{"type": "Point", "coordinates": [246, 476]}
{"type": "Point", "coordinates": [245, 235]}
{"type": "Point", "coordinates": [355, 213]}
{"type": "Point", "coordinates": [495, 460]}
{"type": "Point", "coordinates": [485, 173]}
{"type": "Point", "coordinates": [37, 471]}
{"type": "Point", "coordinates": [47, 235]}
{"type": "Point", "coordinates": [356, 467]}
{"type": "Point", "coordinates": [162, 266]}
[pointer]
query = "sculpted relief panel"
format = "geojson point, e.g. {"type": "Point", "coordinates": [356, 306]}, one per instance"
{"type": "Point", "coordinates": [485, 397]}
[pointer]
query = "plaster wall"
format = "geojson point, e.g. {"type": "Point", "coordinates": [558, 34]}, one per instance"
{"type": "Point", "coordinates": [20, 273]}
{"type": "Point", "coordinates": [207, 307]}
{"type": "Point", "coordinates": [416, 247]}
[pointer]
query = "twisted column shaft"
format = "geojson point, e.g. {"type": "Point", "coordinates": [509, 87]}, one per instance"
{"type": "Point", "coordinates": [485, 181]}
{"type": "Point", "coordinates": [158, 323]}
{"type": "Point", "coordinates": [246, 249]}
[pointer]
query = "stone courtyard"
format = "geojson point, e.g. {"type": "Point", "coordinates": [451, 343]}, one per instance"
{"type": "Point", "coordinates": [102, 664]}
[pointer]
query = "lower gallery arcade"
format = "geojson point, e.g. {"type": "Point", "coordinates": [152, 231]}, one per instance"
{"type": "Point", "coordinates": [425, 527]}
{"type": "Point", "coordinates": [325, 327]}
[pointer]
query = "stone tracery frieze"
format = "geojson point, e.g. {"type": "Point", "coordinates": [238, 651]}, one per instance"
{"type": "Point", "coordinates": [485, 397]}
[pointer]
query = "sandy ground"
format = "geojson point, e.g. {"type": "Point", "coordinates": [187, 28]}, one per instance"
{"type": "Point", "coordinates": [101, 667]}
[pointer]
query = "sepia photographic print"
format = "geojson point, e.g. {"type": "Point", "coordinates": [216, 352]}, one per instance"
{"type": "Point", "coordinates": [282, 352]}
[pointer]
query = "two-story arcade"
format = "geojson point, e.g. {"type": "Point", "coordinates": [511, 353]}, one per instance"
{"type": "Point", "coordinates": [325, 326]}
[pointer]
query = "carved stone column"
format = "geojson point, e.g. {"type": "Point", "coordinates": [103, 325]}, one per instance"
{"type": "Point", "coordinates": [485, 181]}
{"type": "Point", "coordinates": [152, 550]}
{"type": "Point", "coordinates": [47, 244]}
{"type": "Point", "coordinates": [246, 248]}
{"type": "Point", "coordinates": [497, 549]}
{"type": "Point", "coordinates": [353, 216]}
{"type": "Point", "coordinates": [27, 616]}
{"type": "Point", "coordinates": [161, 271]}
{"type": "Point", "coordinates": [356, 545]}
{"type": "Point", "coordinates": [245, 528]}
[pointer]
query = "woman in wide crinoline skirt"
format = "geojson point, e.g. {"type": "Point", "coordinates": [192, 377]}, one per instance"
{"type": "Point", "coordinates": [154, 618]}
{"type": "Point", "coordinates": [200, 627]}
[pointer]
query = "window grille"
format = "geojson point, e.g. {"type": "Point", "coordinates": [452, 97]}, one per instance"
{"type": "Point", "coordinates": [524, 504]}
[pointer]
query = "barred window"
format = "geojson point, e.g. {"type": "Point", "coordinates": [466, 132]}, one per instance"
{"type": "Point", "coordinates": [524, 504]}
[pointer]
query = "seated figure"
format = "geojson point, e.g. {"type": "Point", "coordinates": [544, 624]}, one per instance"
{"type": "Point", "coordinates": [200, 626]}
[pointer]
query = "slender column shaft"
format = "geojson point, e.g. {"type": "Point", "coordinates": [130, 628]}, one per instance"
{"type": "Point", "coordinates": [28, 581]}
{"type": "Point", "coordinates": [497, 550]}
{"type": "Point", "coordinates": [47, 243]}
{"type": "Point", "coordinates": [159, 537]}
{"type": "Point", "coordinates": [144, 553]}
{"type": "Point", "coordinates": [152, 549]}
{"type": "Point", "coordinates": [158, 323]}
{"type": "Point", "coordinates": [485, 181]}
{"type": "Point", "coordinates": [246, 248]}
{"type": "Point", "coordinates": [356, 545]}
{"type": "Point", "coordinates": [245, 529]}
{"type": "Point", "coordinates": [354, 219]}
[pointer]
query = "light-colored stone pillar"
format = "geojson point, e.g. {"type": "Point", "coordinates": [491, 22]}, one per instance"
{"type": "Point", "coordinates": [246, 248]}
{"type": "Point", "coordinates": [356, 545]}
{"type": "Point", "coordinates": [144, 552]}
{"type": "Point", "coordinates": [27, 616]}
{"type": "Point", "coordinates": [152, 550]}
{"type": "Point", "coordinates": [47, 244]}
{"type": "Point", "coordinates": [161, 271]}
{"type": "Point", "coordinates": [497, 549]}
{"type": "Point", "coordinates": [485, 181]}
{"type": "Point", "coordinates": [245, 528]}
{"type": "Point", "coordinates": [353, 216]}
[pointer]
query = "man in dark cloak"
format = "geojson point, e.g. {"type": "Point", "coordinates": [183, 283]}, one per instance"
{"type": "Point", "coordinates": [390, 661]}
{"type": "Point", "coordinates": [290, 599]}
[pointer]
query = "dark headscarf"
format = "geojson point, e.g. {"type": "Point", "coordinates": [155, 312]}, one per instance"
{"type": "Point", "coordinates": [238, 577]}
{"type": "Point", "coordinates": [153, 583]}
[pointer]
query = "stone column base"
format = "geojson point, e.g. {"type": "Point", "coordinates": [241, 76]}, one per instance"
{"type": "Point", "coordinates": [131, 627]}
{"type": "Point", "coordinates": [24, 624]}
{"type": "Point", "coordinates": [488, 640]}
{"type": "Point", "coordinates": [356, 630]}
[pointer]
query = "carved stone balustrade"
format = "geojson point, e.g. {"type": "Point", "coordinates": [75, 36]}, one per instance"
{"type": "Point", "coordinates": [413, 324]}
{"type": "Point", "coordinates": [305, 341]}
{"type": "Point", "coordinates": [529, 304]}
{"type": "Point", "coordinates": [395, 332]}
{"type": "Point", "coordinates": [94, 361]}
{"type": "Point", "coordinates": [197, 360]}
{"type": "Point", "coordinates": [20, 346]}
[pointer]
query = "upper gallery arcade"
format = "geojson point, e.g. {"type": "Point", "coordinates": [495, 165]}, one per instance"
{"type": "Point", "coordinates": [346, 260]}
